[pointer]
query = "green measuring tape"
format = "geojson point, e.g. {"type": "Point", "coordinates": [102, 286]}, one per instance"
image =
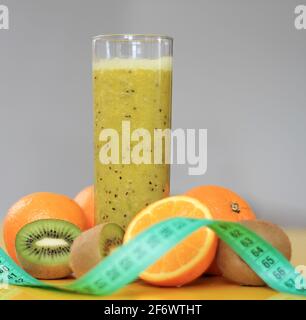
{"type": "Point", "coordinates": [128, 261]}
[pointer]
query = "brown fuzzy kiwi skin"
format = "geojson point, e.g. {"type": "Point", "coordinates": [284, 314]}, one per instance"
{"type": "Point", "coordinates": [45, 272]}
{"type": "Point", "coordinates": [233, 268]}
{"type": "Point", "coordinates": [85, 252]}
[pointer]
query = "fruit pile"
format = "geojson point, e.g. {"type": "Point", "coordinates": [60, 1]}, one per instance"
{"type": "Point", "coordinates": [52, 236]}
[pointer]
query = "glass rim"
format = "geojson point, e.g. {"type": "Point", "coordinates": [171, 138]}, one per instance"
{"type": "Point", "coordinates": [131, 36]}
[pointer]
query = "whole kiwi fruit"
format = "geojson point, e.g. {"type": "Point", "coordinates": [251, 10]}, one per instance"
{"type": "Point", "coordinates": [93, 245]}
{"type": "Point", "coordinates": [233, 268]}
{"type": "Point", "coordinates": [43, 248]}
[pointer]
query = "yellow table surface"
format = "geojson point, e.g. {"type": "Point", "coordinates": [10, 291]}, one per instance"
{"type": "Point", "coordinates": [206, 288]}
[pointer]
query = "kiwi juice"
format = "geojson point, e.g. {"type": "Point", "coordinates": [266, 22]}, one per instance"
{"type": "Point", "coordinates": [138, 91]}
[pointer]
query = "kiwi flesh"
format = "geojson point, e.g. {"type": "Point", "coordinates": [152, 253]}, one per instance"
{"type": "Point", "coordinates": [43, 248]}
{"type": "Point", "coordinates": [233, 268]}
{"type": "Point", "coordinates": [93, 245]}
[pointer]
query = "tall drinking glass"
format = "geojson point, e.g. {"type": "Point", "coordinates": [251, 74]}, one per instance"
{"type": "Point", "coordinates": [132, 88]}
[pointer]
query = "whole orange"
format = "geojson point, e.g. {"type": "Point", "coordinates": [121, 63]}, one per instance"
{"type": "Point", "coordinates": [223, 203]}
{"type": "Point", "coordinates": [37, 206]}
{"type": "Point", "coordinates": [85, 199]}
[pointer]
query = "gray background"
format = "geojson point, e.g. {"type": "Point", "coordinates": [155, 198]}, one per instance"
{"type": "Point", "coordinates": [239, 72]}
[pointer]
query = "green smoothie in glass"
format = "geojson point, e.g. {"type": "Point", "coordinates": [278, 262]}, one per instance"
{"type": "Point", "coordinates": [135, 91]}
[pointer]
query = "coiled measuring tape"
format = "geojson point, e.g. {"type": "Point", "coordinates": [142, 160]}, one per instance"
{"type": "Point", "coordinates": [126, 263]}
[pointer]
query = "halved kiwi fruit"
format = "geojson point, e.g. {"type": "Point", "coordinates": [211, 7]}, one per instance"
{"type": "Point", "coordinates": [43, 248]}
{"type": "Point", "coordinates": [93, 245]}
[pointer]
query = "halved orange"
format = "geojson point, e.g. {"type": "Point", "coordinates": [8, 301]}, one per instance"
{"type": "Point", "coordinates": [192, 256]}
